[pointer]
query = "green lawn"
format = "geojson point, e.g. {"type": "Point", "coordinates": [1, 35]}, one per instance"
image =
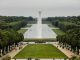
{"type": "Point", "coordinates": [22, 31]}
{"type": "Point", "coordinates": [40, 51]}
{"type": "Point", "coordinates": [13, 23]}
{"type": "Point", "coordinates": [52, 26]}
{"type": "Point", "coordinates": [58, 31]}
{"type": "Point", "coordinates": [28, 26]}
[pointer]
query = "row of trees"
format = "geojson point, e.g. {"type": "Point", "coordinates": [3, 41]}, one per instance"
{"type": "Point", "coordinates": [71, 40]}
{"type": "Point", "coordinates": [13, 25]}
{"type": "Point", "coordinates": [9, 38]}
{"type": "Point", "coordinates": [71, 26]}
{"type": "Point", "coordinates": [65, 23]}
{"type": "Point", "coordinates": [9, 19]}
{"type": "Point", "coordinates": [15, 22]}
{"type": "Point", "coordinates": [16, 25]}
{"type": "Point", "coordinates": [73, 19]}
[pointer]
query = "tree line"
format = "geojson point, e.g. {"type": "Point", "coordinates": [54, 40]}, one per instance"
{"type": "Point", "coordinates": [71, 26]}
{"type": "Point", "coordinates": [8, 39]}
{"type": "Point", "coordinates": [65, 23]}
{"type": "Point", "coordinates": [71, 40]}
{"type": "Point", "coordinates": [14, 22]}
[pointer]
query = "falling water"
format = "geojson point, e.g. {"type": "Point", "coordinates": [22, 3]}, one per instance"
{"type": "Point", "coordinates": [40, 30]}
{"type": "Point", "coordinates": [39, 25]}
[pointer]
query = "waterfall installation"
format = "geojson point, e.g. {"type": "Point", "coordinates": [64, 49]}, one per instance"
{"type": "Point", "coordinates": [39, 30]}
{"type": "Point", "coordinates": [39, 26]}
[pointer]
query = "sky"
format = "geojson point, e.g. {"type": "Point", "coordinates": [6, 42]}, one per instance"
{"type": "Point", "coordinates": [49, 8]}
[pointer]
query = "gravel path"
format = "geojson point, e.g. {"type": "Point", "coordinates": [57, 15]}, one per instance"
{"type": "Point", "coordinates": [14, 52]}
{"type": "Point", "coordinates": [65, 51]}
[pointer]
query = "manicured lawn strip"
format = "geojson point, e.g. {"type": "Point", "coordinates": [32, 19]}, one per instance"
{"type": "Point", "coordinates": [13, 23]}
{"type": "Point", "coordinates": [28, 26]}
{"type": "Point", "coordinates": [52, 26]}
{"type": "Point", "coordinates": [40, 51]}
{"type": "Point", "coordinates": [22, 31]}
{"type": "Point", "coordinates": [58, 31]}
{"type": "Point", "coordinates": [40, 40]}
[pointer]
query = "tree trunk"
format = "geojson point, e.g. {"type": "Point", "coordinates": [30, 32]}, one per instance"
{"type": "Point", "coordinates": [6, 49]}
{"type": "Point", "coordinates": [78, 50]}
{"type": "Point", "coordinates": [2, 51]}
{"type": "Point", "coordinates": [9, 48]}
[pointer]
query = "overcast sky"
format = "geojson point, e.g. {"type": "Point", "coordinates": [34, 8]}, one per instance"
{"type": "Point", "coordinates": [48, 7]}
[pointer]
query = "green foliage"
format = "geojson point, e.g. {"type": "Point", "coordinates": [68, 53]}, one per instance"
{"type": "Point", "coordinates": [71, 38]}
{"type": "Point", "coordinates": [65, 23]}
{"type": "Point", "coordinates": [9, 38]}
{"type": "Point", "coordinates": [70, 25]}
{"type": "Point", "coordinates": [14, 22]}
